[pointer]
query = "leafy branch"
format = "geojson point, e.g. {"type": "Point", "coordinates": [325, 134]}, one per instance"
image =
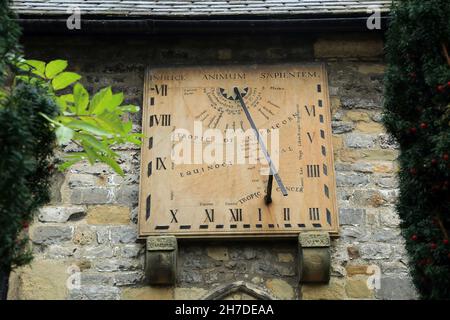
{"type": "Point", "coordinates": [93, 123]}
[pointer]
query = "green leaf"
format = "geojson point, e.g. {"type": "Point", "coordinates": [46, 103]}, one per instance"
{"type": "Point", "coordinates": [100, 101]}
{"type": "Point", "coordinates": [37, 67]}
{"type": "Point", "coordinates": [113, 164]}
{"type": "Point", "coordinates": [81, 125]}
{"type": "Point", "coordinates": [54, 67]}
{"type": "Point", "coordinates": [130, 108]}
{"type": "Point", "coordinates": [81, 98]}
{"type": "Point", "coordinates": [63, 80]}
{"type": "Point", "coordinates": [116, 101]}
{"type": "Point", "coordinates": [64, 134]}
{"type": "Point", "coordinates": [94, 143]}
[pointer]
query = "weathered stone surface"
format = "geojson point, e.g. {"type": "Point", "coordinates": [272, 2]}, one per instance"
{"type": "Point", "coordinates": [108, 215]}
{"type": "Point", "coordinates": [357, 288]}
{"type": "Point", "coordinates": [396, 288]}
{"type": "Point", "coordinates": [360, 140]}
{"type": "Point", "coordinates": [128, 278]}
{"type": "Point", "coordinates": [280, 289]}
{"type": "Point", "coordinates": [115, 264]}
{"type": "Point", "coordinates": [123, 234]}
{"type": "Point", "coordinates": [131, 250]}
{"type": "Point", "coordinates": [370, 127]}
{"type": "Point", "coordinates": [335, 290]}
{"type": "Point", "coordinates": [351, 179]}
{"type": "Point", "coordinates": [348, 216]}
{"type": "Point", "coordinates": [218, 253]}
{"type": "Point", "coordinates": [342, 127]}
{"type": "Point", "coordinates": [356, 270]}
{"type": "Point", "coordinates": [189, 293]}
{"type": "Point", "coordinates": [373, 68]}
{"type": "Point", "coordinates": [83, 235]}
{"type": "Point", "coordinates": [91, 196]}
{"type": "Point", "coordinates": [148, 293]}
{"type": "Point", "coordinates": [95, 293]}
{"type": "Point", "coordinates": [336, 47]}
{"type": "Point", "coordinates": [42, 280]}
{"type": "Point", "coordinates": [60, 213]}
{"type": "Point", "coordinates": [285, 257]}
{"type": "Point", "coordinates": [375, 251]}
{"type": "Point", "coordinates": [51, 234]}
{"type": "Point", "coordinates": [94, 252]}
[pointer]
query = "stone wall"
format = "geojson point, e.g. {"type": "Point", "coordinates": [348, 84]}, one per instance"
{"type": "Point", "coordinates": [91, 224]}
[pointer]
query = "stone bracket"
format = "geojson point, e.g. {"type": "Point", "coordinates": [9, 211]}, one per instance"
{"type": "Point", "coordinates": [161, 260]}
{"type": "Point", "coordinates": [314, 257]}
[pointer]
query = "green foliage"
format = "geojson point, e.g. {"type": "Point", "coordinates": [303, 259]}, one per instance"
{"type": "Point", "coordinates": [26, 148]}
{"type": "Point", "coordinates": [93, 123]}
{"type": "Point", "coordinates": [417, 114]}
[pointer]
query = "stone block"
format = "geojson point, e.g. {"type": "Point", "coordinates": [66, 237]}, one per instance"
{"type": "Point", "coordinates": [396, 287]}
{"type": "Point", "coordinates": [90, 196]}
{"type": "Point", "coordinates": [95, 293]}
{"type": "Point", "coordinates": [108, 215]}
{"type": "Point", "coordinates": [41, 280]}
{"type": "Point", "coordinates": [51, 234]}
{"type": "Point", "coordinates": [360, 140]}
{"type": "Point", "coordinates": [348, 46]}
{"type": "Point", "coordinates": [83, 235]}
{"type": "Point", "coordinates": [148, 293]}
{"type": "Point", "coordinates": [189, 293]}
{"type": "Point", "coordinates": [357, 288]}
{"type": "Point", "coordinates": [218, 253]}
{"type": "Point", "coordinates": [280, 289]}
{"type": "Point", "coordinates": [124, 234]}
{"type": "Point", "coordinates": [60, 213]}
{"type": "Point", "coordinates": [349, 216]}
{"type": "Point", "coordinates": [335, 290]}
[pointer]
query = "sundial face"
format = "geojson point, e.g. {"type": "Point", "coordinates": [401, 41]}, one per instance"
{"type": "Point", "coordinates": [200, 198]}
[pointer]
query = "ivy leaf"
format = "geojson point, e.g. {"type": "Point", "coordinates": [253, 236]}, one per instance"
{"type": "Point", "coordinates": [63, 80]}
{"type": "Point", "coordinates": [64, 134]}
{"type": "Point", "coordinates": [81, 98]}
{"type": "Point", "coordinates": [55, 67]}
{"type": "Point", "coordinates": [37, 67]}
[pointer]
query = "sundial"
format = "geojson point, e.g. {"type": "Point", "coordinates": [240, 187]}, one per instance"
{"type": "Point", "coordinates": [289, 190]}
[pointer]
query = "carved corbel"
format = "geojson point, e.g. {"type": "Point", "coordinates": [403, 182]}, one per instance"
{"type": "Point", "coordinates": [161, 260]}
{"type": "Point", "coordinates": [315, 257]}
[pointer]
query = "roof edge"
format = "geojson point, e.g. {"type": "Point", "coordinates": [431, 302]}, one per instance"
{"type": "Point", "coordinates": [168, 25]}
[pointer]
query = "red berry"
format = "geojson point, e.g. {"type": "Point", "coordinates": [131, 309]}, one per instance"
{"type": "Point", "coordinates": [423, 125]}
{"type": "Point", "coordinates": [413, 171]}
{"type": "Point", "coordinates": [434, 162]}
{"type": "Point", "coordinates": [445, 241]}
{"type": "Point", "coordinates": [441, 88]}
{"type": "Point", "coordinates": [414, 237]}
{"type": "Point", "coordinates": [25, 224]}
{"type": "Point", "coordinates": [433, 246]}
{"type": "Point", "coordinates": [413, 75]}
{"type": "Point", "coordinates": [413, 130]}
{"type": "Point", "coordinates": [448, 83]}
{"type": "Point", "coordinates": [445, 156]}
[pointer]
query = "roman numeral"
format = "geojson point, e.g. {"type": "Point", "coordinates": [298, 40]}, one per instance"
{"type": "Point", "coordinates": [314, 214]}
{"type": "Point", "coordinates": [148, 206]}
{"type": "Point", "coordinates": [174, 216]}
{"type": "Point", "coordinates": [160, 120]}
{"type": "Point", "coordinates": [159, 166]}
{"type": "Point", "coordinates": [209, 215]}
{"type": "Point", "coordinates": [236, 214]}
{"type": "Point", "coordinates": [310, 136]}
{"type": "Point", "coordinates": [161, 89]}
{"type": "Point", "coordinates": [287, 214]}
{"type": "Point", "coordinates": [313, 171]}
{"type": "Point", "coordinates": [259, 214]}
{"type": "Point", "coordinates": [311, 111]}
